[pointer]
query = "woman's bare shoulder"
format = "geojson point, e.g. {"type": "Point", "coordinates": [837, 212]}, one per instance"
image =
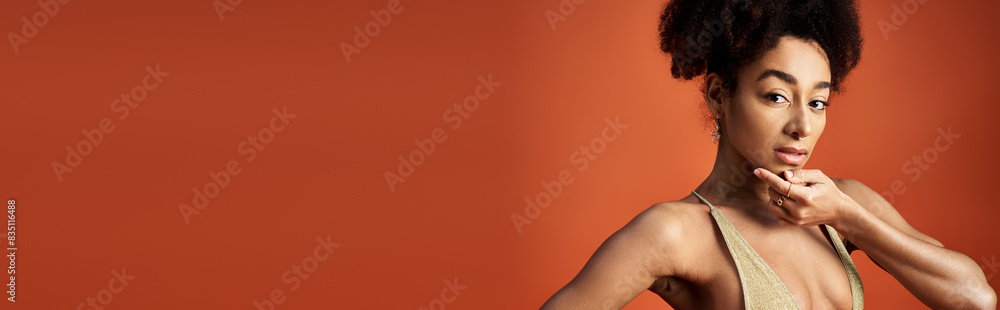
{"type": "Point", "coordinates": [651, 246]}
{"type": "Point", "coordinates": [668, 236]}
{"type": "Point", "coordinates": [669, 224]}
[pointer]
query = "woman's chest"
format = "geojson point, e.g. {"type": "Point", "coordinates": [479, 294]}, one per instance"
{"type": "Point", "coordinates": [803, 260]}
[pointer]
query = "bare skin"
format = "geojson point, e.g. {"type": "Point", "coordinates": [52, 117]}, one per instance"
{"type": "Point", "coordinates": [675, 249]}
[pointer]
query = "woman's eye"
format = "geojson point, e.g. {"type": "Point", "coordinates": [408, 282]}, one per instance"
{"type": "Point", "coordinates": [819, 105]}
{"type": "Point", "coordinates": [776, 98]}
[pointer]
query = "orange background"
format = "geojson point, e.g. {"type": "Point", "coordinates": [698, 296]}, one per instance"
{"type": "Point", "coordinates": [323, 175]}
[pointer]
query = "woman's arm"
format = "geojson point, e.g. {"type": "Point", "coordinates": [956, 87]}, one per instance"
{"type": "Point", "coordinates": [938, 276]}
{"type": "Point", "coordinates": [625, 265]}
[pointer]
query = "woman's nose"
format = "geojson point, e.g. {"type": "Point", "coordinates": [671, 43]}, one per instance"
{"type": "Point", "coordinates": [798, 125]}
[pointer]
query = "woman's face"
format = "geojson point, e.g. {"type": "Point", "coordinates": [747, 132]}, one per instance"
{"type": "Point", "coordinates": [777, 111]}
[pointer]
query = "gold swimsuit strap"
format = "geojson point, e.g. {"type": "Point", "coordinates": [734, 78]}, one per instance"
{"type": "Point", "coordinates": [762, 289]}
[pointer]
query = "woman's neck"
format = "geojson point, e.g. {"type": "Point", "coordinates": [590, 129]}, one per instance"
{"type": "Point", "coordinates": [732, 181]}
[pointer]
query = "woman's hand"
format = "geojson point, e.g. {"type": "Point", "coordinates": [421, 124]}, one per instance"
{"type": "Point", "coordinates": [808, 198]}
{"type": "Point", "coordinates": [939, 277]}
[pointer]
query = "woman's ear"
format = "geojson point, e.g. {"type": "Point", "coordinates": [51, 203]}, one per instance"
{"type": "Point", "coordinates": [715, 94]}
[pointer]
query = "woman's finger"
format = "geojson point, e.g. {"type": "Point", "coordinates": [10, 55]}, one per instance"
{"type": "Point", "coordinates": [772, 180]}
{"type": "Point", "coordinates": [806, 176]}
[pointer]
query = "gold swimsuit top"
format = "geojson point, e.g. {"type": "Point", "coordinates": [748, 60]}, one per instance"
{"type": "Point", "coordinates": [762, 289]}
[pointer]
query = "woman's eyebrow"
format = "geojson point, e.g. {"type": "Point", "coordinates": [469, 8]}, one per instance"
{"type": "Point", "coordinates": [788, 78]}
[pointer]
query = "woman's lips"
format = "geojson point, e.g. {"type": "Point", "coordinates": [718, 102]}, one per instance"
{"type": "Point", "coordinates": [790, 157]}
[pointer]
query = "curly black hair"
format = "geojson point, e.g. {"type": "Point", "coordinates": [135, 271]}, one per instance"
{"type": "Point", "coordinates": [722, 36]}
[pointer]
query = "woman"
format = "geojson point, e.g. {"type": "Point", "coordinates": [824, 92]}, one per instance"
{"type": "Point", "coordinates": [781, 237]}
